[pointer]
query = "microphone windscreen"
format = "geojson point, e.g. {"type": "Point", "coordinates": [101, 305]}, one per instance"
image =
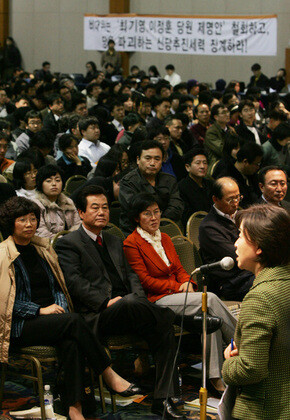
{"type": "Point", "coordinates": [227, 263]}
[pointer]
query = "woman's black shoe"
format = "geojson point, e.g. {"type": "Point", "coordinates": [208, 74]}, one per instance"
{"type": "Point", "coordinates": [133, 389]}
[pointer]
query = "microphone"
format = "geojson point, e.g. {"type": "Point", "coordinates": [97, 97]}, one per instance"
{"type": "Point", "coordinates": [226, 263]}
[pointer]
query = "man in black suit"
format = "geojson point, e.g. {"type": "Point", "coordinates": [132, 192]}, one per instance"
{"type": "Point", "coordinates": [217, 235]}
{"type": "Point", "coordinates": [273, 185]}
{"type": "Point", "coordinates": [244, 170]}
{"type": "Point", "coordinates": [56, 109]}
{"type": "Point", "coordinates": [258, 79]}
{"type": "Point", "coordinates": [109, 295]}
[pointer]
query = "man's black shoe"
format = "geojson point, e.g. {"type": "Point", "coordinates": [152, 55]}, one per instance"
{"type": "Point", "coordinates": [171, 411]}
{"type": "Point", "coordinates": [194, 323]}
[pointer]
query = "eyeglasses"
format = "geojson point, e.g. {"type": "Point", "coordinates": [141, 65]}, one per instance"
{"type": "Point", "coordinates": [25, 220]}
{"type": "Point", "coordinates": [149, 214]}
{"type": "Point", "coordinates": [232, 200]}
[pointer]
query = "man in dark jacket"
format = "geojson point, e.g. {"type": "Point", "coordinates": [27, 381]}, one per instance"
{"type": "Point", "coordinates": [258, 79]}
{"type": "Point", "coordinates": [148, 177]}
{"type": "Point", "coordinates": [244, 171]}
{"type": "Point", "coordinates": [195, 190]}
{"type": "Point", "coordinates": [217, 236]}
{"type": "Point", "coordinates": [172, 163]}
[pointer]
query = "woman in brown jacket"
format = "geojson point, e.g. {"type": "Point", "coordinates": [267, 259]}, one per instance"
{"type": "Point", "coordinates": [35, 305]}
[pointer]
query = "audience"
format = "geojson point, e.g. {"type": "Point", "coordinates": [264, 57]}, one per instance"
{"type": "Point", "coordinates": [160, 126]}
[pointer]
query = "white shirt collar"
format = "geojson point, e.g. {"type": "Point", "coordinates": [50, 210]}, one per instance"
{"type": "Point", "coordinates": [227, 216]}
{"type": "Point", "coordinates": [92, 235]}
{"type": "Point", "coordinates": [89, 143]}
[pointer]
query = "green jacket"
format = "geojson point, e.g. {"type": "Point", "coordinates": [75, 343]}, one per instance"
{"type": "Point", "coordinates": [262, 369]}
{"type": "Point", "coordinates": [214, 143]}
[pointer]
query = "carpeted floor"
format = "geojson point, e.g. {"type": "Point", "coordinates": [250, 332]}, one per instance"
{"type": "Point", "coordinates": [19, 395]}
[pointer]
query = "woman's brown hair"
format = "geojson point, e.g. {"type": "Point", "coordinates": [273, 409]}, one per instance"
{"type": "Point", "coordinates": [268, 227]}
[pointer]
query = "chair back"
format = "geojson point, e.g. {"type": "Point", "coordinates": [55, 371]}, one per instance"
{"type": "Point", "coordinates": [192, 227]}
{"type": "Point", "coordinates": [170, 227]}
{"type": "Point", "coordinates": [211, 171]}
{"type": "Point", "coordinates": [73, 183]}
{"type": "Point", "coordinates": [188, 255]}
{"type": "Point", "coordinates": [114, 230]}
{"type": "Point", "coordinates": [57, 236]}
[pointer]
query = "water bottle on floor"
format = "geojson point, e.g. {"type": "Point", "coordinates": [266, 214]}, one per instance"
{"type": "Point", "coordinates": [48, 397]}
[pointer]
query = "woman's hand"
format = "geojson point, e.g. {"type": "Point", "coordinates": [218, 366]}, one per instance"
{"type": "Point", "coordinates": [229, 352]}
{"type": "Point", "coordinates": [52, 309]}
{"type": "Point", "coordinates": [74, 158]}
{"type": "Point", "coordinates": [183, 287]}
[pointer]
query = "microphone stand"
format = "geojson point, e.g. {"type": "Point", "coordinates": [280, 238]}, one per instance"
{"type": "Point", "coordinates": [203, 390]}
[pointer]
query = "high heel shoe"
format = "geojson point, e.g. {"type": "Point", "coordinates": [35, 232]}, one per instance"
{"type": "Point", "coordinates": [132, 389]}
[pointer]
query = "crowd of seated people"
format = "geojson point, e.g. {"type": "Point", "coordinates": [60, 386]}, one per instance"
{"type": "Point", "coordinates": [183, 145]}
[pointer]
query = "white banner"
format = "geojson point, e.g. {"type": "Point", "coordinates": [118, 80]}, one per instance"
{"type": "Point", "coordinates": [256, 35]}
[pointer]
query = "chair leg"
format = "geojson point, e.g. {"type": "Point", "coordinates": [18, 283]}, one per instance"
{"type": "Point", "coordinates": [113, 400]}
{"type": "Point", "coordinates": [2, 383]}
{"type": "Point", "coordinates": [40, 386]}
{"type": "Point", "coordinates": [102, 395]}
{"type": "Point", "coordinates": [34, 384]}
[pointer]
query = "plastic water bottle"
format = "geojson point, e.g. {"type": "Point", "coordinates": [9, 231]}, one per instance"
{"type": "Point", "coordinates": [48, 397]}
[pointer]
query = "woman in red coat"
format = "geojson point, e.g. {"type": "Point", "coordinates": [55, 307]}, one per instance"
{"type": "Point", "coordinates": [152, 256]}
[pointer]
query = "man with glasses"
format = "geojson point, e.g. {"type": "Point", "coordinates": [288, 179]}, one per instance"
{"type": "Point", "coordinates": [216, 134]}
{"type": "Point", "coordinates": [217, 235]}
{"type": "Point", "coordinates": [244, 171]}
{"type": "Point", "coordinates": [33, 121]}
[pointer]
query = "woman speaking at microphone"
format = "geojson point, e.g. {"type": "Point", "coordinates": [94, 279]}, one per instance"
{"type": "Point", "coordinates": [259, 364]}
{"type": "Point", "coordinates": [152, 256]}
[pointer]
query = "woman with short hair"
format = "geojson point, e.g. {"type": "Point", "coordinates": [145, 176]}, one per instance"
{"type": "Point", "coordinates": [259, 364]}
{"type": "Point", "coordinates": [153, 257]}
{"type": "Point", "coordinates": [58, 211]}
{"type": "Point", "coordinates": [35, 306]}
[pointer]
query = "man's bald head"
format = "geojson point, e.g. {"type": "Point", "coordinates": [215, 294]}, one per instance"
{"type": "Point", "coordinates": [226, 195]}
